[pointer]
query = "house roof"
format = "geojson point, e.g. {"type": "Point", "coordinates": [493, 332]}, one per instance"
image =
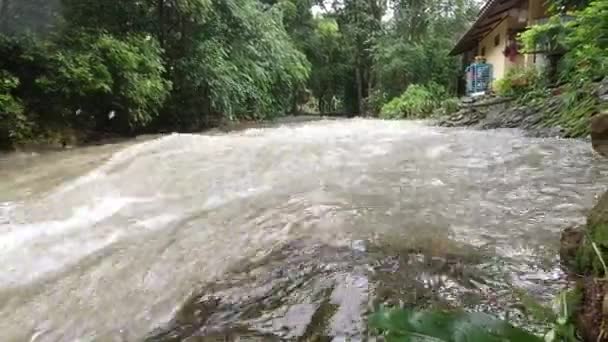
{"type": "Point", "coordinates": [490, 15]}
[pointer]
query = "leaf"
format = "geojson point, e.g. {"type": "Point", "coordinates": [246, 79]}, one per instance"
{"type": "Point", "coordinates": [403, 325]}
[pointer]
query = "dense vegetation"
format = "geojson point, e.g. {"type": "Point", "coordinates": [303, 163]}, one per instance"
{"type": "Point", "coordinates": [575, 40]}
{"type": "Point", "coordinates": [78, 67]}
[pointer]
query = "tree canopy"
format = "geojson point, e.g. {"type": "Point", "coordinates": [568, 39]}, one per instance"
{"type": "Point", "coordinates": [158, 65]}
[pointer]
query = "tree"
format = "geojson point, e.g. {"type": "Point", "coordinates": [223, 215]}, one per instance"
{"type": "Point", "coordinates": [328, 56]}
{"type": "Point", "coordinates": [415, 47]}
{"type": "Point", "coordinates": [232, 58]}
{"type": "Point", "coordinates": [361, 22]}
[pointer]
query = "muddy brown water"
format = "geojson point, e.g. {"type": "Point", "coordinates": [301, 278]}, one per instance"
{"type": "Point", "coordinates": [293, 232]}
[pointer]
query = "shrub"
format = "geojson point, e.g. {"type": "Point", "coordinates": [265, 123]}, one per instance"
{"type": "Point", "coordinates": [14, 126]}
{"type": "Point", "coordinates": [96, 74]}
{"type": "Point", "coordinates": [418, 101]}
{"type": "Point", "coordinates": [377, 99]}
{"type": "Point", "coordinates": [580, 38]}
{"type": "Point", "coordinates": [450, 105]}
{"type": "Point", "coordinates": [576, 106]}
{"type": "Point", "coordinates": [586, 42]}
{"type": "Point", "coordinates": [520, 81]}
{"type": "Point", "coordinates": [548, 37]}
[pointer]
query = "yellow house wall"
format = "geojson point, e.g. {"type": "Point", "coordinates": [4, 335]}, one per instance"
{"type": "Point", "coordinates": [494, 54]}
{"type": "Point", "coordinates": [536, 9]}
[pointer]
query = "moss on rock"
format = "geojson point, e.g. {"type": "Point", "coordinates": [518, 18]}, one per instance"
{"type": "Point", "coordinates": [592, 317]}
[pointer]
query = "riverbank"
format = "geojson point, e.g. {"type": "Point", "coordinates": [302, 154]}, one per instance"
{"type": "Point", "coordinates": [583, 254]}
{"type": "Point", "coordinates": [584, 250]}
{"type": "Point", "coordinates": [546, 116]}
{"type": "Point", "coordinates": [490, 112]}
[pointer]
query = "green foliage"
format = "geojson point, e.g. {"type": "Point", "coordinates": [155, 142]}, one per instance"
{"type": "Point", "coordinates": [251, 73]}
{"type": "Point", "coordinates": [96, 74]}
{"type": "Point", "coordinates": [519, 82]}
{"type": "Point", "coordinates": [418, 101]}
{"type": "Point", "coordinates": [14, 126]}
{"type": "Point", "coordinates": [400, 63]}
{"type": "Point", "coordinates": [588, 259]}
{"type": "Point", "coordinates": [330, 70]}
{"type": "Point", "coordinates": [8, 104]}
{"type": "Point", "coordinates": [547, 38]}
{"type": "Point", "coordinates": [581, 38]}
{"type": "Point", "coordinates": [563, 328]}
{"type": "Point", "coordinates": [450, 105]}
{"type": "Point", "coordinates": [533, 308]}
{"type": "Point", "coordinates": [561, 322]}
{"type": "Point", "coordinates": [377, 99]}
{"type": "Point", "coordinates": [415, 47]}
{"type": "Point", "coordinates": [586, 58]}
{"type": "Point", "coordinates": [21, 60]}
{"type": "Point", "coordinates": [401, 325]}
{"type": "Point", "coordinates": [131, 66]}
{"type": "Point", "coordinates": [576, 106]}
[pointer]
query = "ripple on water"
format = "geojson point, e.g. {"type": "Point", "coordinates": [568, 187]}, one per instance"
{"type": "Point", "coordinates": [285, 232]}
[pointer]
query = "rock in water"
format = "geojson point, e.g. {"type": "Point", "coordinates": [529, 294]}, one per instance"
{"type": "Point", "coordinates": [599, 133]}
{"type": "Point", "coordinates": [571, 239]}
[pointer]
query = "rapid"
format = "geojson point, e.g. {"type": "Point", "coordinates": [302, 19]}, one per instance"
{"type": "Point", "coordinates": [292, 232]}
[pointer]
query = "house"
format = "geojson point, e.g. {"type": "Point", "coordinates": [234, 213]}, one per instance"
{"type": "Point", "coordinates": [493, 36]}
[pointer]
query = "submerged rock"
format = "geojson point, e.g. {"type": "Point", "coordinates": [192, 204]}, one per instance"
{"type": "Point", "coordinates": [306, 291]}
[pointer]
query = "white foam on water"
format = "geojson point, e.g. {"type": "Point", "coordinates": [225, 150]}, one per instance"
{"type": "Point", "coordinates": [122, 245]}
{"type": "Point", "coordinates": [33, 249]}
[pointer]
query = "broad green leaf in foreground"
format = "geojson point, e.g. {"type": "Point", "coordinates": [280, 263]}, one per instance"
{"type": "Point", "coordinates": [402, 325]}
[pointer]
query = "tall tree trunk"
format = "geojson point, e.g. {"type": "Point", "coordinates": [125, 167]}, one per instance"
{"type": "Point", "coordinates": [294, 102]}
{"type": "Point", "coordinates": [359, 81]}
{"type": "Point", "coordinates": [371, 84]}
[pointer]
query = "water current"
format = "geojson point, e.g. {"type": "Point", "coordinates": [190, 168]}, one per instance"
{"type": "Point", "coordinates": [292, 232]}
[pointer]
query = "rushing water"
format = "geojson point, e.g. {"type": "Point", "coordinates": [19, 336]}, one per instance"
{"type": "Point", "coordinates": [291, 232]}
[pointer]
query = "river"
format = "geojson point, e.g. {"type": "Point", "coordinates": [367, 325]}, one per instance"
{"type": "Point", "coordinates": [288, 232]}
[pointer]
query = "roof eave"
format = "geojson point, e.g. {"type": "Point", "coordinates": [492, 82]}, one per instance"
{"type": "Point", "coordinates": [469, 40]}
